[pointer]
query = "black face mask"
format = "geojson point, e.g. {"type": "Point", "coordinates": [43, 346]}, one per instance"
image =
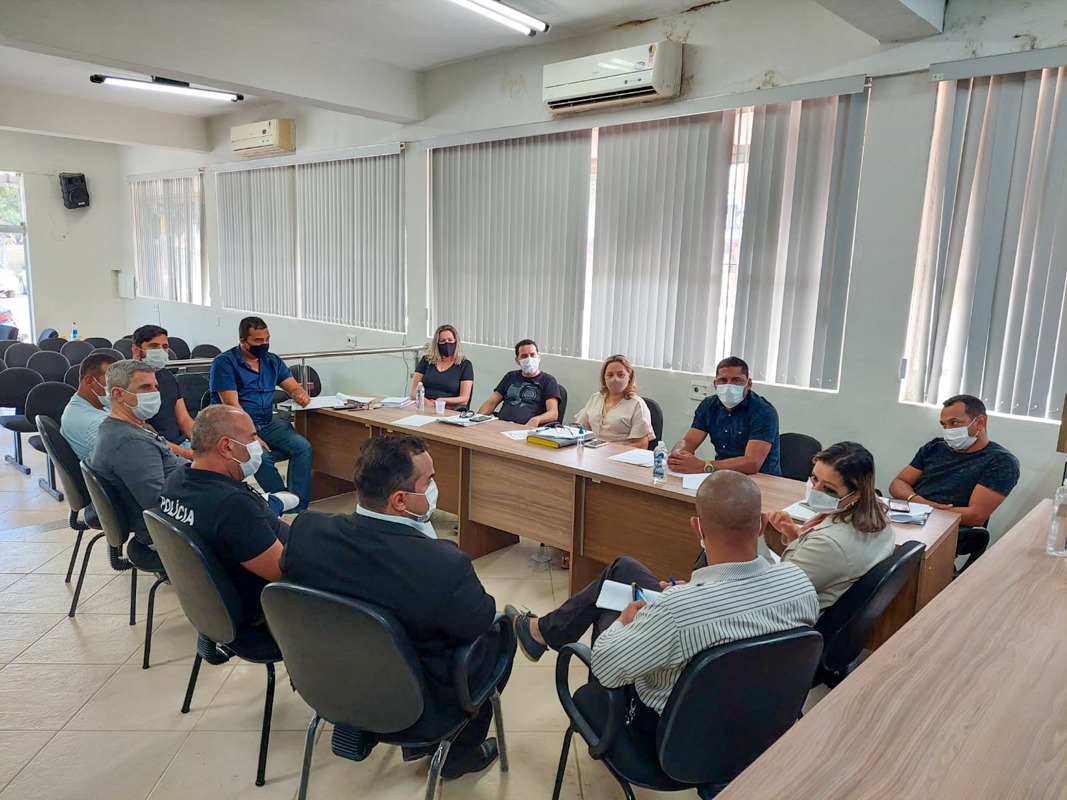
{"type": "Point", "coordinates": [446, 349]}
{"type": "Point", "coordinates": [259, 350]}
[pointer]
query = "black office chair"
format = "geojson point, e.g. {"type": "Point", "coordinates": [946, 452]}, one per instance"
{"type": "Point", "coordinates": [730, 703]}
{"type": "Point", "coordinates": [9, 333]}
{"type": "Point", "coordinates": [53, 344]}
{"type": "Point", "coordinates": [796, 452]}
{"type": "Point", "coordinates": [111, 351]}
{"type": "Point", "coordinates": [98, 341]}
{"type": "Point", "coordinates": [4, 344]}
{"type": "Point", "coordinates": [971, 542]}
{"type": "Point", "coordinates": [355, 666]}
{"type": "Point", "coordinates": [19, 353]}
{"type": "Point", "coordinates": [50, 365]}
{"type": "Point", "coordinates": [15, 386]}
{"type": "Point", "coordinates": [211, 603]}
{"type": "Point", "coordinates": [46, 334]}
{"type": "Point", "coordinates": [77, 350]}
{"type": "Point", "coordinates": [179, 349]}
{"type": "Point", "coordinates": [656, 413]}
{"type": "Point", "coordinates": [110, 512]}
{"type": "Point", "coordinates": [193, 386]}
{"type": "Point", "coordinates": [72, 377]}
{"type": "Point", "coordinates": [205, 351]}
{"type": "Point", "coordinates": [847, 624]}
{"type": "Point", "coordinates": [205, 401]}
{"type": "Point", "coordinates": [47, 399]}
{"type": "Point", "coordinates": [82, 515]}
{"type": "Point", "coordinates": [124, 346]}
{"type": "Point", "coordinates": [314, 386]}
{"type": "Point", "coordinates": [562, 404]}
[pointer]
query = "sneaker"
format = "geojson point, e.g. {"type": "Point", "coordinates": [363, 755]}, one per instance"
{"type": "Point", "coordinates": [520, 620]}
{"type": "Point", "coordinates": [472, 761]}
{"type": "Point", "coordinates": [280, 502]}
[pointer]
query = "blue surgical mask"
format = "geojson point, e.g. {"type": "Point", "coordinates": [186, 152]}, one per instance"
{"type": "Point", "coordinates": [156, 358]}
{"type": "Point", "coordinates": [730, 394]}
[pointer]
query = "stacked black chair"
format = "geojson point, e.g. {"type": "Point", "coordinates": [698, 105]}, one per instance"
{"type": "Point", "coordinates": [656, 413]}
{"type": "Point", "coordinates": [847, 624]}
{"type": "Point", "coordinates": [730, 703]}
{"type": "Point", "coordinates": [205, 351]}
{"type": "Point", "coordinates": [124, 346]}
{"type": "Point", "coordinates": [98, 341]}
{"type": "Point", "coordinates": [72, 377]}
{"type": "Point", "coordinates": [353, 663]}
{"type": "Point", "coordinates": [193, 386]}
{"type": "Point", "coordinates": [15, 386]}
{"type": "Point", "coordinates": [111, 351]}
{"type": "Point", "coordinates": [211, 603]}
{"type": "Point", "coordinates": [9, 333]}
{"type": "Point", "coordinates": [82, 515]}
{"type": "Point", "coordinates": [5, 344]}
{"type": "Point", "coordinates": [50, 365]}
{"type": "Point", "coordinates": [53, 344]}
{"type": "Point", "coordinates": [179, 348]}
{"type": "Point", "coordinates": [47, 333]}
{"type": "Point", "coordinates": [112, 518]}
{"type": "Point", "coordinates": [797, 452]}
{"type": "Point", "coordinates": [562, 404]}
{"type": "Point", "coordinates": [18, 354]}
{"type": "Point", "coordinates": [314, 382]}
{"type": "Point", "coordinates": [77, 350]}
{"type": "Point", "coordinates": [47, 399]}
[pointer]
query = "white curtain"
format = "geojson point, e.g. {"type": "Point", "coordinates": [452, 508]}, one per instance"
{"type": "Point", "coordinates": [166, 233]}
{"type": "Point", "coordinates": [987, 313]}
{"type": "Point", "coordinates": [509, 228]}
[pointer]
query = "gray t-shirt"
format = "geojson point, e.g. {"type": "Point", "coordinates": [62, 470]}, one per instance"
{"type": "Point", "coordinates": [136, 461]}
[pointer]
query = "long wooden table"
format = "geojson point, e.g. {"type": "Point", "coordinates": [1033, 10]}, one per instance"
{"type": "Point", "coordinates": [968, 701]}
{"type": "Point", "coordinates": [583, 502]}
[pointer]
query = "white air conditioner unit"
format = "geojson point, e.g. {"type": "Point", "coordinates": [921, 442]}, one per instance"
{"type": "Point", "coordinates": [632, 75]}
{"type": "Point", "coordinates": [272, 137]}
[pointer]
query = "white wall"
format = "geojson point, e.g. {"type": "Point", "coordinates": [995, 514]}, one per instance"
{"type": "Point", "coordinates": [733, 46]}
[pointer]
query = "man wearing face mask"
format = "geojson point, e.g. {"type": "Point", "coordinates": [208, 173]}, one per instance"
{"type": "Point", "coordinates": [742, 426]}
{"type": "Point", "coordinates": [152, 345]}
{"type": "Point", "coordinates": [128, 453]}
{"type": "Point", "coordinates": [962, 471]}
{"type": "Point", "coordinates": [384, 554]}
{"type": "Point", "coordinates": [530, 397]}
{"type": "Point", "coordinates": [85, 410]}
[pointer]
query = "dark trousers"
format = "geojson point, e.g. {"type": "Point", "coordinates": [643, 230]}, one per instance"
{"type": "Point", "coordinates": [572, 619]}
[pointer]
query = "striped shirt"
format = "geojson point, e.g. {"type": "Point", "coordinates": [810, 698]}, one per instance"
{"type": "Point", "coordinates": [722, 603]}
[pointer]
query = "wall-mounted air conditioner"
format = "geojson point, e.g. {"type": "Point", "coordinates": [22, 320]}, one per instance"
{"type": "Point", "coordinates": [631, 75]}
{"type": "Point", "coordinates": [272, 137]}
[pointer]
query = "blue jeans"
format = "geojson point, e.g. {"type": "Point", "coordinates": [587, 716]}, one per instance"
{"type": "Point", "coordinates": [285, 443]}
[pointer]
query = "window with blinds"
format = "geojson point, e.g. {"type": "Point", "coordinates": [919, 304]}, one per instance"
{"type": "Point", "coordinates": [987, 311]}
{"type": "Point", "coordinates": [166, 238]}
{"type": "Point", "coordinates": [319, 241]}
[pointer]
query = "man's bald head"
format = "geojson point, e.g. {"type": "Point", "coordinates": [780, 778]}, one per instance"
{"type": "Point", "coordinates": [729, 505]}
{"type": "Point", "coordinates": [220, 422]}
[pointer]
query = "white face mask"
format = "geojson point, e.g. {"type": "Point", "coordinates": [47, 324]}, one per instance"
{"type": "Point", "coordinates": [148, 404]}
{"type": "Point", "coordinates": [431, 497]}
{"type": "Point", "coordinates": [105, 398]}
{"type": "Point", "coordinates": [822, 502]}
{"type": "Point", "coordinates": [157, 359]}
{"type": "Point", "coordinates": [959, 438]}
{"type": "Point", "coordinates": [530, 364]}
{"type": "Point", "coordinates": [730, 394]}
{"type": "Point", "coordinates": [616, 385]}
{"type": "Point", "coordinates": [255, 457]}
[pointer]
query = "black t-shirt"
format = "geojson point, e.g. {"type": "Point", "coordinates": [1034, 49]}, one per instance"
{"type": "Point", "coordinates": [444, 384]}
{"type": "Point", "coordinates": [525, 397]}
{"type": "Point", "coordinates": [949, 476]}
{"type": "Point", "coordinates": [165, 422]}
{"type": "Point", "coordinates": [234, 521]}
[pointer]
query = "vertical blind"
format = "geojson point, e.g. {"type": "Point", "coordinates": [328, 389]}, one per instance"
{"type": "Point", "coordinates": [987, 311]}
{"type": "Point", "coordinates": [166, 234]}
{"type": "Point", "coordinates": [508, 239]}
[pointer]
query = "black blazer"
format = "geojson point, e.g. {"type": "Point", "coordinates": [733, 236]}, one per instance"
{"type": "Point", "coordinates": [429, 585]}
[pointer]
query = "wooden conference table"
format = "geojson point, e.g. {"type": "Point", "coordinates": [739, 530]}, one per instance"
{"type": "Point", "coordinates": [968, 701]}
{"type": "Point", "coordinates": [582, 502]}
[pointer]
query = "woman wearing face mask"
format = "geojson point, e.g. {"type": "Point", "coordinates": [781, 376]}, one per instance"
{"type": "Point", "coordinates": [444, 372]}
{"type": "Point", "coordinates": [615, 413]}
{"type": "Point", "coordinates": [850, 532]}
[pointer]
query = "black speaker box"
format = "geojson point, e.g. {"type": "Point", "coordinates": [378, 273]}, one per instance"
{"type": "Point", "coordinates": [75, 193]}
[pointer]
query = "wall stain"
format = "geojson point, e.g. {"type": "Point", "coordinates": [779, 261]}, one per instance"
{"type": "Point", "coordinates": [1031, 40]}
{"type": "Point", "coordinates": [515, 88]}
{"type": "Point", "coordinates": [770, 80]}
{"type": "Point", "coordinates": [634, 23]}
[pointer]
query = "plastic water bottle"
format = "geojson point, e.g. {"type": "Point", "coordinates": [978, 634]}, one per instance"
{"type": "Point", "coordinates": [659, 464]}
{"type": "Point", "coordinates": [74, 331]}
{"type": "Point", "coordinates": [1057, 529]}
{"type": "Point", "coordinates": [420, 398]}
{"type": "Point", "coordinates": [581, 440]}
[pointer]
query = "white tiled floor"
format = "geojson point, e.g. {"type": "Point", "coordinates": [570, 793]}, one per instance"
{"type": "Point", "coordinates": [80, 719]}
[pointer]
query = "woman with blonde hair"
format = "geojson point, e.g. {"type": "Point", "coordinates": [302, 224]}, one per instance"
{"type": "Point", "coordinates": [615, 412]}
{"type": "Point", "coordinates": [444, 372]}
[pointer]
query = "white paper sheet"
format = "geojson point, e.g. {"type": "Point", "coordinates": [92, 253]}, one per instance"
{"type": "Point", "coordinates": [518, 436]}
{"type": "Point", "coordinates": [639, 458]}
{"type": "Point", "coordinates": [693, 481]}
{"type": "Point", "coordinates": [323, 401]}
{"type": "Point", "coordinates": [355, 398]}
{"type": "Point", "coordinates": [397, 402]}
{"type": "Point", "coordinates": [615, 596]}
{"type": "Point", "coordinates": [415, 421]}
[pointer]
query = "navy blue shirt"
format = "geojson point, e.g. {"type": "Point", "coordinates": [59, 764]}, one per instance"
{"type": "Point", "coordinates": [949, 476]}
{"type": "Point", "coordinates": [731, 431]}
{"type": "Point", "coordinates": [165, 423]}
{"type": "Point", "coordinates": [255, 390]}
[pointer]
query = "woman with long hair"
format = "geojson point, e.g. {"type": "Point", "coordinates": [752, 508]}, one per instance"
{"type": "Point", "coordinates": [615, 412]}
{"type": "Point", "coordinates": [444, 372]}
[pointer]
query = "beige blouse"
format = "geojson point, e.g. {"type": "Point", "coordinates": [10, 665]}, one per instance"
{"type": "Point", "coordinates": [628, 420]}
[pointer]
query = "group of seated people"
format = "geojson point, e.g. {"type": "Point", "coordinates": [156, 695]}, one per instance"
{"type": "Point", "coordinates": [129, 423]}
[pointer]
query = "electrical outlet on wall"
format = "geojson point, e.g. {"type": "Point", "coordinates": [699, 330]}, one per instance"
{"type": "Point", "coordinates": [698, 390]}
{"type": "Point", "coordinates": [350, 340]}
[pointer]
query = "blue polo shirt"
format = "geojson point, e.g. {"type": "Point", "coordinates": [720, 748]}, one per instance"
{"type": "Point", "coordinates": [731, 431]}
{"type": "Point", "coordinates": [255, 390]}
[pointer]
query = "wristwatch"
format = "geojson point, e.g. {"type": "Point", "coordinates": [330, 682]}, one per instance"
{"type": "Point", "coordinates": [709, 467]}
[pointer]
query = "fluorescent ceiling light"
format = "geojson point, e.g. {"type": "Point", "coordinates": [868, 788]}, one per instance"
{"type": "Point", "coordinates": [505, 15]}
{"type": "Point", "coordinates": [167, 86]}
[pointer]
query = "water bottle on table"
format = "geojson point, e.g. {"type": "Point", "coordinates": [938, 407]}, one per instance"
{"type": "Point", "coordinates": [1057, 529]}
{"type": "Point", "coordinates": [659, 464]}
{"type": "Point", "coordinates": [581, 440]}
{"type": "Point", "coordinates": [420, 398]}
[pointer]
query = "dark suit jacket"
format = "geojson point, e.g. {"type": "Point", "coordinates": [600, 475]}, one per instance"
{"type": "Point", "coordinates": [429, 585]}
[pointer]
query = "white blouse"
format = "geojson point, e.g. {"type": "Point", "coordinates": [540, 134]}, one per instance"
{"type": "Point", "coordinates": [630, 419]}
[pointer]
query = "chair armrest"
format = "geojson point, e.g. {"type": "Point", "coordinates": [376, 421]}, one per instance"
{"type": "Point", "coordinates": [471, 699]}
{"type": "Point", "coordinates": [599, 744]}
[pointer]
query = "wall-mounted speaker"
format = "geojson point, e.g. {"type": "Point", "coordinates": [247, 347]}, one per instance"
{"type": "Point", "coordinates": [75, 193]}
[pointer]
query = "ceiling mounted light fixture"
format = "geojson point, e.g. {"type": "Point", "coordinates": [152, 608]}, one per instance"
{"type": "Point", "coordinates": [167, 86]}
{"type": "Point", "coordinates": [505, 15]}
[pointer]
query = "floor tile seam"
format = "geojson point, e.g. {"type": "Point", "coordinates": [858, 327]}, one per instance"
{"type": "Point", "coordinates": [3, 787]}
{"type": "Point", "coordinates": [35, 641]}
{"type": "Point", "coordinates": [170, 763]}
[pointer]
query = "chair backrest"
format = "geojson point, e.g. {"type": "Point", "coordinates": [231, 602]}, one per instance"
{"type": "Point", "coordinates": [179, 348]}
{"type": "Point", "coordinates": [193, 386]}
{"type": "Point", "coordinates": [207, 594]}
{"type": "Point", "coordinates": [351, 661]}
{"type": "Point", "coordinates": [111, 351]}
{"type": "Point", "coordinates": [47, 333]}
{"type": "Point", "coordinates": [314, 381]}
{"type": "Point", "coordinates": [124, 346]}
{"type": "Point", "coordinates": [656, 412]}
{"type": "Point", "coordinates": [97, 341]}
{"type": "Point", "coordinates": [66, 463]}
{"type": "Point", "coordinates": [562, 404]}
{"type": "Point", "coordinates": [847, 624]}
{"type": "Point", "coordinates": [72, 377]}
{"type": "Point", "coordinates": [48, 399]}
{"type": "Point", "coordinates": [51, 366]}
{"type": "Point", "coordinates": [53, 344]}
{"type": "Point", "coordinates": [19, 353]}
{"type": "Point", "coordinates": [796, 451]}
{"type": "Point", "coordinates": [9, 333]}
{"type": "Point", "coordinates": [732, 702]}
{"type": "Point", "coordinates": [108, 507]}
{"type": "Point", "coordinates": [77, 350]}
{"type": "Point", "coordinates": [15, 386]}
{"type": "Point", "coordinates": [205, 351]}
{"type": "Point", "coordinates": [4, 344]}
